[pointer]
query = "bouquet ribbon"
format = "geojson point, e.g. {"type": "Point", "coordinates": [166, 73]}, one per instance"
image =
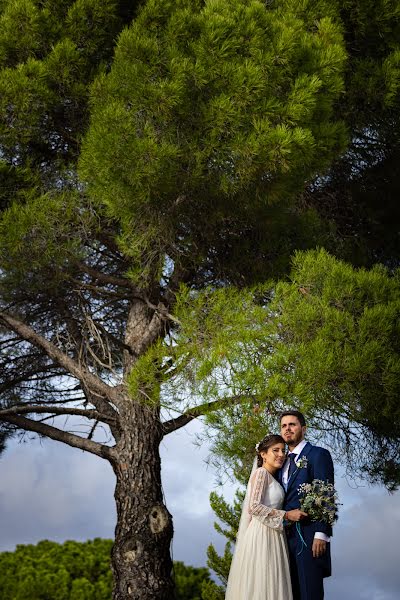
{"type": "Point", "coordinates": [303, 544]}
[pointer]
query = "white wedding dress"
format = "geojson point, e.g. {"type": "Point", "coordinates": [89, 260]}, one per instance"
{"type": "Point", "coordinates": [260, 564]}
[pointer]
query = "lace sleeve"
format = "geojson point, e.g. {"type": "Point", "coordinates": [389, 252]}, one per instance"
{"type": "Point", "coordinates": [267, 515]}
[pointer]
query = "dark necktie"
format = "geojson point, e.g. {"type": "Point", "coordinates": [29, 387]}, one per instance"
{"type": "Point", "coordinates": [292, 464]}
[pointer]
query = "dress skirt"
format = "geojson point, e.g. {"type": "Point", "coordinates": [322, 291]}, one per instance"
{"type": "Point", "coordinates": [260, 566]}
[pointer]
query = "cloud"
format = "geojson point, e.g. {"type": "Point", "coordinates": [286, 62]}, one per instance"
{"type": "Point", "coordinates": [365, 547]}
{"type": "Point", "coordinates": [188, 481]}
{"type": "Point", "coordinates": [48, 491]}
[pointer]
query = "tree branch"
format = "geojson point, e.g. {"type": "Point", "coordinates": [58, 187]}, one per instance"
{"type": "Point", "coordinates": [120, 282]}
{"type": "Point", "coordinates": [55, 410]}
{"type": "Point", "coordinates": [198, 411]}
{"type": "Point", "coordinates": [159, 309]}
{"type": "Point", "coordinates": [104, 277]}
{"type": "Point", "coordinates": [99, 292]}
{"type": "Point", "coordinates": [91, 382]}
{"type": "Point", "coordinates": [32, 376]}
{"type": "Point", "coordinates": [60, 436]}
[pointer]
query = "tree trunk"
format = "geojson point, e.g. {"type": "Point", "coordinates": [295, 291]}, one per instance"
{"type": "Point", "coordinates": [141, 560]}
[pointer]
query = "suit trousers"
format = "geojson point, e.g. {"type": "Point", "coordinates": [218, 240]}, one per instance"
{"type": "Point", "coordinates": [306, 572]}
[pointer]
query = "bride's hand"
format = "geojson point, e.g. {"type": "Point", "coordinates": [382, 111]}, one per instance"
{"type": "Point", "coordinates": [295, 515]}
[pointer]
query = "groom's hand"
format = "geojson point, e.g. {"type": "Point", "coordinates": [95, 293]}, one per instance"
{"type": "Point", "coordinates": [318, 548]}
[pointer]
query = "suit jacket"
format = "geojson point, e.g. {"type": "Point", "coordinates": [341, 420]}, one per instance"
{"type": "Point", "coordinates": [319, 466]}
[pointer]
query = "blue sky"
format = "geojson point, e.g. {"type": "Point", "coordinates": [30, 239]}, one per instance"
{"type": "Point", "coordinates": [49, 491]}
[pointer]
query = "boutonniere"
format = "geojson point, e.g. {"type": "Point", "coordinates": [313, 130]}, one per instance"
{"type": "Point", "coordinates": [302, 463]}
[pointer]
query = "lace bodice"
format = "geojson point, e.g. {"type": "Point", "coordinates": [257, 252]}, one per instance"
{"type": "Point", "coordinates": [266, 499]}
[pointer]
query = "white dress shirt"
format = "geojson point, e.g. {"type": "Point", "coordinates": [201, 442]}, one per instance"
{"type": "Point", "coordinates": [297, 450]}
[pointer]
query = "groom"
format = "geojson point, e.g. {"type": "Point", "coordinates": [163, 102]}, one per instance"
{"type": "Point", "coordinates": [309, 545]}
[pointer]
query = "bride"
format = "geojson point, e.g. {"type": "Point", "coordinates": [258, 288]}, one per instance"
{"type": "Point", "coordinates": [260, 565]}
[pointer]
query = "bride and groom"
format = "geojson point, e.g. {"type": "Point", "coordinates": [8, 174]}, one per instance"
{"type": "Point", "coordinates": [280, 554]}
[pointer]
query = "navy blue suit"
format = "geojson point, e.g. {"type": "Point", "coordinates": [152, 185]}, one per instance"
{"type": "Point", "coordinates": [307, 572]}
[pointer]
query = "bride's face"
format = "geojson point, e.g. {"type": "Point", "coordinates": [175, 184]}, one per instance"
{"type": "Point", "coordinates": [274, 457]}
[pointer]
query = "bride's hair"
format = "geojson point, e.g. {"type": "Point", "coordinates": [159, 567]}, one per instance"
{"type": "Point", "coordinates": [267, 442]}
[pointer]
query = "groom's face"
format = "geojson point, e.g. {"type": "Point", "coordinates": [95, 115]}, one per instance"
{"type": "Point", "coordinates": [292, 431]}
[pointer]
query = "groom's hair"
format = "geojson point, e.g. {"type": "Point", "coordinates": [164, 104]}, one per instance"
{"type": "Point", "coordinates": [294, 413]}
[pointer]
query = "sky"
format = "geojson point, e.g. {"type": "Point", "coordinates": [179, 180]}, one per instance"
{"type": "Point", "coordinates": [50, 491]}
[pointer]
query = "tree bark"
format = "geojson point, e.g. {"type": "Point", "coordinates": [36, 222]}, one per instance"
{"type": "Point", "coordinates": [141, 560]}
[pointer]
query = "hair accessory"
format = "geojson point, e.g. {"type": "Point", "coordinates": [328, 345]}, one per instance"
{"type": "Point", "coordinates": [257, 446]}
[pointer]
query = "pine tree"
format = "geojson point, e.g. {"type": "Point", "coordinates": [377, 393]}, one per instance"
{"type": "Point", "coordinates": [230, 515]}
{"type": "Point", "coordinates": [145, 168]}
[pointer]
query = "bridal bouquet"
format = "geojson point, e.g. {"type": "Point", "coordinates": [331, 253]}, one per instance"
{"type": "Point", "coordinates": [319, 500]}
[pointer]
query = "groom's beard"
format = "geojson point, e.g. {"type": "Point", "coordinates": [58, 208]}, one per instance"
{"type": "Point", "coordinates": [294, 439]}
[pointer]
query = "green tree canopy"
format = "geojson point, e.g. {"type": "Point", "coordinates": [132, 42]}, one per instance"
{"type": "Point", "coordinates": [68, 571]}
{"type": "Point", "coordinates": [189, 581]}
{"type": "Point", "coordinates": [208, 107]}
{"type": "Point", "coordinates": [76, 571]}
{"type": "Point", "coordinates": [326, 341]}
